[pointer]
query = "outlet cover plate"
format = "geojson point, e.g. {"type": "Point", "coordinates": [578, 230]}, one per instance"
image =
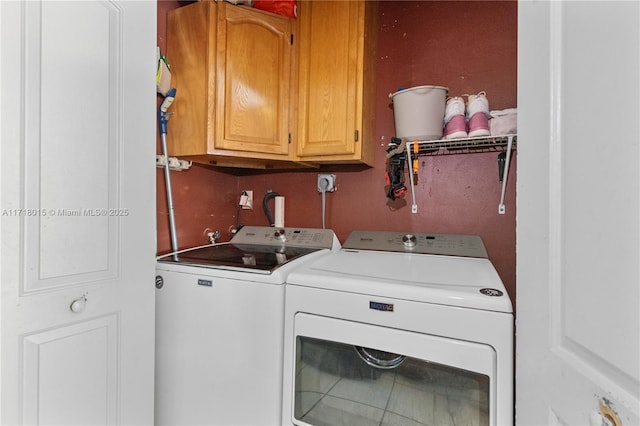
{"type": "Point", "coordinates": [330, 180]}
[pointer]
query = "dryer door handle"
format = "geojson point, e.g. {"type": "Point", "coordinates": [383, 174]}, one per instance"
{"type": "Point", "coordinates": [382, 360]}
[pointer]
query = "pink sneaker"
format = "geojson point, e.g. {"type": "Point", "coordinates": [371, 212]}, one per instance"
{"type": "Point", "coordinates": [478, 125]}
{"type": "Point", "coordinates": [454, 120]}
{"type": "Point", "coordinates": [478, 115]}
{"type": "Point", "coordinates": [456, 128]}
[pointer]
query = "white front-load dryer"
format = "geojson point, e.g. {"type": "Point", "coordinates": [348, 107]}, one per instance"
{"type": "Point", "coordinates": [398, 329]}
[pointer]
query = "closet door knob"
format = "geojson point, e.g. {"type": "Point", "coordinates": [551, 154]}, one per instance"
{"type": "Point", "coordinates": [78, 305]}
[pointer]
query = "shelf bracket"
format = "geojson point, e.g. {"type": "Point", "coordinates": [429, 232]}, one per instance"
{"type": "Point", "coordinates": [501, 207]}
{"type": "Point", "coordinates": [443, 146]}
{"type": "Point", "coordinates": [414, 205]}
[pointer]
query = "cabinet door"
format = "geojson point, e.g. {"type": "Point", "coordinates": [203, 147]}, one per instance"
{"type": "Point", "coordinates": [330, 80]}
{"type": "Point", "coordinates": [191, 47]}
{"type": "Point", "coordinates": [253, 81]}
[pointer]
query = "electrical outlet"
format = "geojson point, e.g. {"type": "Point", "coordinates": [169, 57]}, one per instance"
{"type": "Point", "coordinates": [246, 201]}
{"type": "Point", "coordinates": [326, 183]}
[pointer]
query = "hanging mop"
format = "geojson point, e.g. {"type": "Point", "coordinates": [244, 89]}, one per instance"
{"type": "Point", "coordinates": [163, 117]}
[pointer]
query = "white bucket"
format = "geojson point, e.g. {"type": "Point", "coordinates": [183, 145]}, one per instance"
{"type": "Point", "coordinates": [418, 112]}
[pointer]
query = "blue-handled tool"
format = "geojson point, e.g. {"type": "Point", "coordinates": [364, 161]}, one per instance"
{"type": "Point", "coordinates": [163, 117]}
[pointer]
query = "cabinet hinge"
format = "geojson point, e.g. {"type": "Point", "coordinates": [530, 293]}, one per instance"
{"type": "Point", "coordinates": [356, 135]}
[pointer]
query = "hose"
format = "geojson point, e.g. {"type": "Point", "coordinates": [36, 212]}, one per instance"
{"type": "Point", "coordinates": [265, 206]}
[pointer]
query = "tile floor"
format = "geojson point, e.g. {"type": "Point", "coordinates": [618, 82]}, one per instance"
{"type": "Point", "coordinates": [335, 387]}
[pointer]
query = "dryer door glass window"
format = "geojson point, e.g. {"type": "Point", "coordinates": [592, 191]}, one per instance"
{"type": "Point", "coordinates": [338, 383]}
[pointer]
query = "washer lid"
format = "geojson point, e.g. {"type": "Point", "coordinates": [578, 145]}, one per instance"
{"type": "Point", "coordinates": [254, 258]}
{"type": "Point", "coordinates": [445, 280]}
{"type": "Point", "coordinates": [257, 249]}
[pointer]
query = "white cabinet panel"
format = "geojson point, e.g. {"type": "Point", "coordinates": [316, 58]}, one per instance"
{"type": "Point", "coordinates": [70, 364]}
{"type": "Point", "coordinates": [72, 142]}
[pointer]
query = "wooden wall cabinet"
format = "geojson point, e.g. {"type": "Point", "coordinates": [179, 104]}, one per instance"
{"type": "Point", "coordinates": [231, 66]}
{"type": "Point", "coordinates": [335, 47]}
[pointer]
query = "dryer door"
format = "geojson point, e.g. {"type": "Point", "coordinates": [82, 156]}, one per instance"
{"type": "Point", "coordinates": [352, 373]}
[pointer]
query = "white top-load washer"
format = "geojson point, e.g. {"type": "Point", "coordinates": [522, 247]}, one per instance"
{"type": "Point", "coordinates": [219, 326]}
{"type": "Point", "coordinates": [395, 328]}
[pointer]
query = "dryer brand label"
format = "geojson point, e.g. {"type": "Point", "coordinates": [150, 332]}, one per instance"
{"type": "Point", "coordinates": [379, 306]}
{"type": "Point", "coordinates": [491, 292]}
{"type": "Point", "coordinates": [206, 283]}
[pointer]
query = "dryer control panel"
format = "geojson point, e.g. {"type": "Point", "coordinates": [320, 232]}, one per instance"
{"type": "Point", "coordinates": [422, 243]}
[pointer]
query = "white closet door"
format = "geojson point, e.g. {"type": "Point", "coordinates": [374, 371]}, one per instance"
{"type": "Point", "coordinates": [77, 123]}
{"type": "Point", "coordinates": [578, 232]}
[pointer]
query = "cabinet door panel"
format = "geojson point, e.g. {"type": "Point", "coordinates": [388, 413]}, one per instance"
{"type": "Point", "coordinates": [330, 59]}
{"type": "Point", "coordinates": [190, 45]}
{"type": "Point", "coordinates": [254, 52]}
{"type": "Point", "coordinates": [83, 357]}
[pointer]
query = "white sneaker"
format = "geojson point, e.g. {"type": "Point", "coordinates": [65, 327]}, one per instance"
{"type": "Point", "coordinates": [477, 103]}
{"type": "Point", "coordinates": [455, 106]}
{"type": "Point", "coordinates": [478, 115]}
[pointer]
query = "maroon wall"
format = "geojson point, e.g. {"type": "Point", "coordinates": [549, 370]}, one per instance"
{"type": "Point", "coordinates": [467, 46]}
{"type": "Point", "coordinates": [204, 199]}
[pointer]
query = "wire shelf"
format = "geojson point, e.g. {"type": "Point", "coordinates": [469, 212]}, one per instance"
{"type": "Point", "coordinates": [462, 146]}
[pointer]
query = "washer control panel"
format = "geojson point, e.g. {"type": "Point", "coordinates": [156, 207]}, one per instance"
{"type": "Point", "coordinates": [407, 242]}
{"type": "Point", "coordinates": [290, 237]}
